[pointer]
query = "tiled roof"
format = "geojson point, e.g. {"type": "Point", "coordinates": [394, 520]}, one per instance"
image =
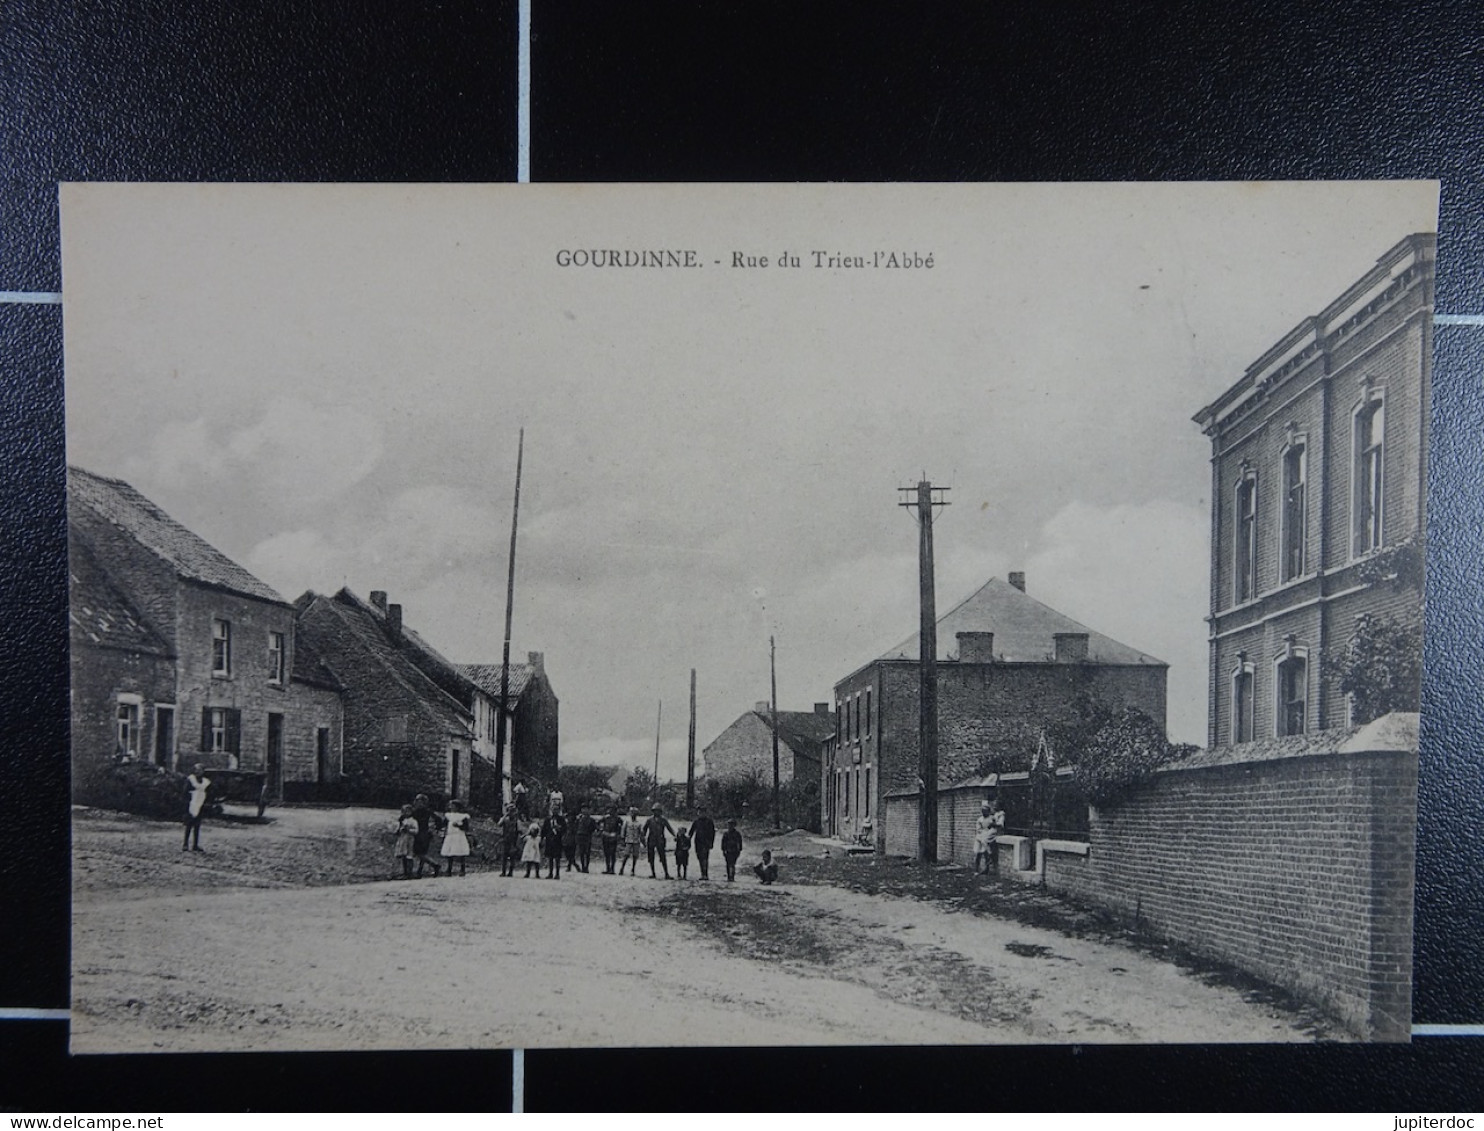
{"type": "Point", "coordinates": [191, 556]}
{"type": "Point", "coordinates": [803, 730]}
{"type": "Point", "coordinates": [99, 612]}
{"type": "Point", "coordinates": [330, 624]}
{"type": "Point", "coordinates": [433, 663]}
{"type": "Point", "coordinates": [487, 678]}
{"type": "Point", "coordinates": [1024, 630]}
{"type": "Point", "coordinates": [310, 667]}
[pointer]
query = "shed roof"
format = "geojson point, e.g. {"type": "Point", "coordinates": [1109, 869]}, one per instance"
{"type": "Point", "coordinates": [190, 555]}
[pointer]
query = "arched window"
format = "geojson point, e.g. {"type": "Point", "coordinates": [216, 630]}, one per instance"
{"type": "Point", "coordinates": [1369, 473]}
{"type": "Point", "coordinates": [1292, 682]}
{"type": "Point", "coordinates": [1295, 505]}
{"type": "Point", "coordinates": [1244, 565]}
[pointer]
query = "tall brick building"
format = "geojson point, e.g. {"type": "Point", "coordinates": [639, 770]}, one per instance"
{"type": "Point", "coordinates": [1008, 667]}
{"type": "Point", "coordinates": [179, 655]}
{"type": "Point", "coordinates": [1318, 499]}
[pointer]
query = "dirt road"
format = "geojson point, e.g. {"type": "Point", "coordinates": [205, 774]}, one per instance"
{"type": "Point", "coordinates": [182, 959]}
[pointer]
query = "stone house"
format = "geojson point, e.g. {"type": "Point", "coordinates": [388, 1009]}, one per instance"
{"type": "Point", "coordinates": [406, 732]}
{"type": "Point", "coordinates": [1318, 497]}
{"type": "Point", "coordinates": [745, 748]}
{"type": "Point", "coordinates": [531, 732]}
{"type": "Point", "coordinates": [179, 655]}
{"type": "Point", "coordinates": [1009, 667]}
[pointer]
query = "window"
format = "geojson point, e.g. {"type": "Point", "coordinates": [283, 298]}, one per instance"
{"type": "Point", "coordinates": [1293, 693]}
{"type": "Point", "coordinates": [857, 716]}
{"type": "Point", "coordinates": [276, 657]}
{"type": "Point", "coordinates": [1295, 492]}
{"type": "Point", "coordinates": [868, 712]}
{"type": "Point", "coordinates": [846, 793]}
{"type": "Point", "coordinates": [1246, 556]}
{"type": "Point", "coordinates": [221, 647]}
{"type": "Point", "coordinates": [1370, 447]}
{"type": "Point", "coordinates": [221, 732]}
{"type": "Point", "coordinates": [1243, 705]}
{"type": "Point", "coordinates": [394, 728]}
{"type": "Point", "coordinates": [127, 731]}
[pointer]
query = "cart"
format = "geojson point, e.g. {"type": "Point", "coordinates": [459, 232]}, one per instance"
{"type": "Point", "coordinates": [248, 787]}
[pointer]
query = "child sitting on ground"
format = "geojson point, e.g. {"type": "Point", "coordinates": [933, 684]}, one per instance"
{"type": "Point", "coordinates": [406, 830]}
{"type": "Point", "coordinates": [767, 871]}
{"type": "Point", "coordinates": [682, 852]}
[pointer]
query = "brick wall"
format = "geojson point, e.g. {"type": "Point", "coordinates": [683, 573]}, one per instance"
{"type": "Point", "coordinates": [534, 733]}
{"type": "Point", "coordinates": [311, 708]}
{"type": "Point", "coordinates": [958, 810]}
{"type": "Point", "coordinates": [99, 676]}
{"type": "Point", "coordinates": [1296, 869]}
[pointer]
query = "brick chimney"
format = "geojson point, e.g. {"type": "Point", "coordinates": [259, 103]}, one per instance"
{"type": "Point", "coordinates": [975, 647]}
{"type": "Point", "coordinates": [822, 709]}
{"type": "Point", "coordinates": [537, 660]}
{"type": "Point", "coordinates": [1071, 647]}
{"type": "Point", "coordinates": [763, 707]}
{"type": "Point", "coordinates": [394, 622]}
{"type": "Point", "coordinates": [378, 600]}
{"type": "Point", "coordinates": [1017, 579]}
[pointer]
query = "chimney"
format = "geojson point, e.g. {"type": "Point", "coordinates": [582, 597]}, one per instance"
{"type": "Point", "coordinates": [976, 647]}
{"type": "Point", "coordinates": [394, 622]}
{"type": "Point", "coordinates": [822, 709]}
{"type": "Point", "coordinates": [763, 707]}
{"type": "Point", "coordinates": [537, 660]}
{"type": "Point", "coordinates": [378, 600]}
{"type": "Point", "coordinates": [1071, 647]}
{"type": "Point", "coordinates": [1017, 579]}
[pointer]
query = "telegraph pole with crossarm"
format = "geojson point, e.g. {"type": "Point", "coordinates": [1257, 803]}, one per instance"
{"type": "Point", "coordinates": [927, 498]}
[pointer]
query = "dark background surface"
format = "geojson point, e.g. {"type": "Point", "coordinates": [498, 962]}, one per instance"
{"type": "Point", "coordinates": [407, 91]}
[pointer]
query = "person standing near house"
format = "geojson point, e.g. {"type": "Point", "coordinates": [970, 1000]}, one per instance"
{"type": "Point", "coordinates": [427, 822]}
{"type": "Point", "coordinates": [519, 794]}
{"type": "Point", "coordinates": [682, 853]}
{"type": "Point", "coordinates": [530, 853]}
{"type": "Point", "coordinates": [553, 830]}
{"type": "Point", "coordinates": [654, 837]}
{"type": "Point", "coordinates": [611, 828]}
{"type": "Point", "coordinates": [987, 828]}
{"type": "Point", "coordinates": [633, 841]}
{"type": "Point", "coordinates": [510, 830]}
{"type": "Point", "coordinates": [198, 785]}
{"type": "Point", "coordinates": [456, 839]}
{"type": "Point", "coordinates": [702, 837]}
{"type": "Point", "coordinates": [585, 826]}
{"type": "Point", "coordinates": [731, 848]}
{"type": "Point", "coordinates": [556, 803]}
{"type": "Point", "coordinates": [406, 834]}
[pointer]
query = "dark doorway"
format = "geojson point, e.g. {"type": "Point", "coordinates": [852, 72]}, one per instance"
{"type": "Point", "coordinates": [322, 755]}
{"type": "Point", "coordinates": [165, 736]}
{"type": "Point", "coordinates": [453, 788]}
{"type": "Point", "coordinates": [274, 767]}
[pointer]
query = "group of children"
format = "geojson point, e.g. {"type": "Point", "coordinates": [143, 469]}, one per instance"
{"type": "Point", "coordinates": [561, 836]}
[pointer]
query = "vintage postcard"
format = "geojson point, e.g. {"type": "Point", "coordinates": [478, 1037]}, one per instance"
{"type": "Point", "coordinates": [592, 615]}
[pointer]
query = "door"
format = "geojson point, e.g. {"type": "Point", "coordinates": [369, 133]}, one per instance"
{"type": "Point", "coordinates": [165, 736]}
{"type": "Point", "coordinates": [322, 755]}
{"type": "Point", "coordinates": [275, 756]}
{"type": "Point", "coordinates": [453, 787]}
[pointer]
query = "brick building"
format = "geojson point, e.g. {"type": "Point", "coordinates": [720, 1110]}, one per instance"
{"type": "Point", "coordinates": [1008, 668]}
{"type": "Point", "coordinates": [407, 729]}
{"type": "Point", "coordinates": [532, 730]}
{"type": "Point", "coordinates": [180, 655]}
{"type": "Point", "coordinates": [1318, 497]}
{"type": "Point", "coordinates": [745, 748]}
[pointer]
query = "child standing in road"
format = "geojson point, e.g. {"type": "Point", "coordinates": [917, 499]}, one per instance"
{"type": "Point", "coordinates": [530, 854]}
{"type": "Point", "coordinates": [456, 836]}
{"type": "Point", "coordinates": [406, 831]}
{"type": "Point", "coordinates": [731, 848]}
{"type": "Point", "coordinates": [682, 852]}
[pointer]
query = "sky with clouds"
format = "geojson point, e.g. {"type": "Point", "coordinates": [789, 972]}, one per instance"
{"type": "Point", "coordinates": [326, 382]}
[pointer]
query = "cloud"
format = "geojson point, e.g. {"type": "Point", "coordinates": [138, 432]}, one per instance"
{"type": "Point", "coordinates": [307, 453]}
{"type": "Point", "coordinates": [297, 560]}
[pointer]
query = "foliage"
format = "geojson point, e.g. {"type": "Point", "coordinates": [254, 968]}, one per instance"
{"type": "Point", "coordinates": [135, 787]}
{"type": "Point", "coordinates": [639, 787]}
{"type": "Point", "coordinates": [1381, 667]}
{"type": "Point", "coordinates": [584, 786]}
{"type": "Point", "coordinates": [1402, 565]}
{"type": "Point", "coordinates": [1123, 752]}
{"type": "Point", "coordinates": [751, 797]}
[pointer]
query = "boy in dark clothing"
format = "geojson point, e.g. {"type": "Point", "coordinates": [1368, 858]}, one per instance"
{"type": "Point", "coordinates": [731, 848]}
{"type": "Point", "coordinates": [654, 838]}
{"type": "Point", "coordinates": [702, 837]}
{"type": "Point", "coordinates": [586, 826]}
{"type": "Point", "coordinates": [682, 852]}
{"type": "Point", "coordinates": [611, 828]}
{"type": "Point", "coordinates": [510, 830]}
{"type": "Point", "coordinates": [569, 842]}
{"type": "Point", "coordinates": [427, 822]}
{"type": "Point", "coordinates": [767, 871]}
{"type": "Point", "coordinates": [552, 831]}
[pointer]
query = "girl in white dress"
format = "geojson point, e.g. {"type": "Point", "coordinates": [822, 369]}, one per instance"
{"type": "Point", "coordinates": [456, 836]}
{"type": "Point", "coordinates": [530, 854]}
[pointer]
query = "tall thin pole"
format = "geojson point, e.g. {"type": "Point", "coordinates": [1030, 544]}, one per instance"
{"type": "Point", "coordinates": [927, 724]}
{"type": "Point", "coordinates": [500, 719]}
{"type": "Point", "coordinates": [658, 714]}
{"type": "Point", "coordinates": [690, 753]}
{"type": "Point", "coordinates": [773, 679]}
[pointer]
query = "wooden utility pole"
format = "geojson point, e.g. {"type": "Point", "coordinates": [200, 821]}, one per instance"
{"type": "Point", "coordinates": [690, 754]}
{"type": "Point", "coordinates": [773, 679]}
{"type": "Point", "coordinates": [927, 639]}
{"type": "Point", "coordinates": [500, 719]}
{"type": "Point", "coordinates": [659, 713]}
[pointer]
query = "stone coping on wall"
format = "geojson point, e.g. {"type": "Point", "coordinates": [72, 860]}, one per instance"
{"type": "Point", "coordinates": [1394, 732]}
